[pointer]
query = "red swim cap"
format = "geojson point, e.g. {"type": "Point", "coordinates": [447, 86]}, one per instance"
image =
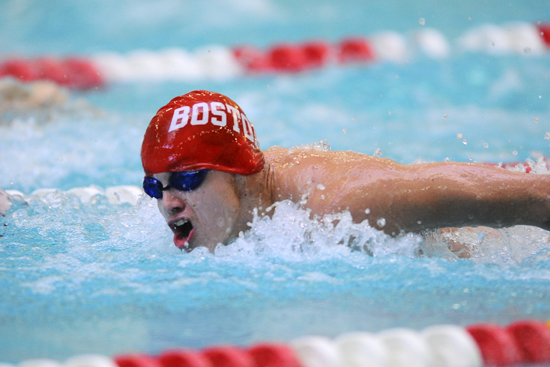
{"type": "Point", "coordinates": [201, 130]}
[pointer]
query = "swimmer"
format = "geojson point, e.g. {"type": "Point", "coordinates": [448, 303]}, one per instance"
{"type": "Point", "coordinates": [203, 164]}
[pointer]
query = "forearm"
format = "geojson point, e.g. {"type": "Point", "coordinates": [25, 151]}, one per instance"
{"type": "Point", "coordinates": [417, 197]}
{"type": "Point", "coordinates": [440, 195]}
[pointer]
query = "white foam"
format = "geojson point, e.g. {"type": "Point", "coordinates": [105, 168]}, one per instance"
{"type": "Point", "coordinates": [124, 194]}
{"type": "Point", "coordinates": [129, 194]}
{"type": "Point", "coordinates": [86, 194]}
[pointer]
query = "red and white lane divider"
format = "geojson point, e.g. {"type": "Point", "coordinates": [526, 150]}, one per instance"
{"type": "Point", "coordinates": [520, 343]}
{"type": "Point", "coordinates": [218, 62]}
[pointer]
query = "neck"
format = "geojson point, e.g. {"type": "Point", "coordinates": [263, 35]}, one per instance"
{"type": "Point", "coordinates": [255, 192]}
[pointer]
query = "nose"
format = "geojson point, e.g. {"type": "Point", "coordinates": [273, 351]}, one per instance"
{"type": "Point", "coordinates": [172, 204]}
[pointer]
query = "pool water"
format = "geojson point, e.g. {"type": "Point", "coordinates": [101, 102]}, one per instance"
{"type": "Point", "coordinates": [97, 277]}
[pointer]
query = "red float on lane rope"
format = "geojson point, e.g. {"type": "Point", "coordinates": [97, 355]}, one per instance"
{"type": "Point", "coordinates": [317, 53]}
{"type": "Point", "coordinates": [497, 346]}
{"type": "Point", "coordinates": [136, 360]}
{"type": "Point", "coordinates": [251, 59]}
{"type": "Point", "coordinates": [287, 58]}
{"type": "Point", "coordinates": [544, 31]}
{"type": "Point", "coordinates": [355, 50]}
{"type": "Point", "coordinates": [51, 69]}
{"type": "Point", "coordinates": [23, 70]}
{"type": "Point", "coordinates": [73, 72]}
{"type": "Point", "coordinates": [274, 355]}
{"type": "Point", "coordinates": [82, 74]}
{"type": "Point", "coordinates": [228, 356]}
{"type": "Point", "coordinates": [533, 338]}
{"type": "Point", "coordinates": [183, 358]}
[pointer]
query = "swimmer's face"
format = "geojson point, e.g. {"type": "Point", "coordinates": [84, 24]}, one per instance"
{"type": "Point", "coordinates": [204, 216]}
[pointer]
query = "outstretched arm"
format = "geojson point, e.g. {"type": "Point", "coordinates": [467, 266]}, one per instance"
{"type": "Point", "coordinates": [439, 195]}
{"type": "Point", "coordinates": [422, 196]}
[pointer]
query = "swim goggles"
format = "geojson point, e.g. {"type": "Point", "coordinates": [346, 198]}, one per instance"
{"type": "Point", "coordinates": [183, 181]}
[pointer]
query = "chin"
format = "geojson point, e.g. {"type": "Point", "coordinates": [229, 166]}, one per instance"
{"type": "Point", "coordinates": [210, 244]}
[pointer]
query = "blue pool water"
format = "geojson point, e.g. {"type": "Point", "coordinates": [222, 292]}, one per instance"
{"type": "Point", "coordinates": [103, 278]}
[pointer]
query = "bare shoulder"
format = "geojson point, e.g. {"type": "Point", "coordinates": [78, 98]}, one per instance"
{"type": "Point", "coordinates": [302, 171]}
{"type": "Point", "coordinates": [298, 158]}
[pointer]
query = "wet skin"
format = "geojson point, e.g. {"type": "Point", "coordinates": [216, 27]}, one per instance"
{"type": "Point", "coordinates": [410, 198]}
{"type": "Point", "coordinates": [211, 213]}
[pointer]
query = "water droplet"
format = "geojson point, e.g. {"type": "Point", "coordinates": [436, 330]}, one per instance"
{"type": "Point", "coordinates": [345, 131]}
{"type": "Point", "coordinates": [537, 120]}
{"type": "Point", "coordinates": [421, 21]}
{"type": "Point", "coordinates": [459, 136]}
{"type": "Point", "coordinates": [367, 211]}
{"type": "Point", "coordinates": [321, 187]}
{"type": "Point", "coordinates": [381, 222]}
{"type": "Point", "coordinates": [485, 145]}
{"type": "Point", "coordinates": [547, 136]}
{"type": "Point", "coordinates": [540, 96]}
{"type": "Point", "coordinates": [396, 76]}
{"type": "Point", "coordinates": [377, 153]}
{"type": "Point", "coordinates": [465, 142]}
{"type": "Point", "coordinates": [527, 50]}
{"type": "Point", "coordinates": [389, 112]}
{"type": "Point", "coordinates": [419, 222]}
{"type": "Point", "coordinates": [447, 159]}
{"type": "Point", "coordinates": [515, 152]}
{"type": "Point", "coordinates": [445, 116]}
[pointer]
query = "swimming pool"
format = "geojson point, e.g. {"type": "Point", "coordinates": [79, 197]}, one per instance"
{"type": "Point", "coordinates": [98, 277]}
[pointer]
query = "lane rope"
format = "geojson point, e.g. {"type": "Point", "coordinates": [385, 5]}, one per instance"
{"type": "Point", "coordinates": [222, 63]}
{"type": "Point", "coordinates": [522, 342]}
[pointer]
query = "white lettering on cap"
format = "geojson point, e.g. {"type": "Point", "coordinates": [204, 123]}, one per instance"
{"type": "Point", "coordinates": [219, 118]}
{"type": "Point", "coordinates": [248, 129]}
{"type": "Point", "coordinates": [195, 116]}
{"type": "Point", "coordinates": [180, 118]}
{"type": "Point", "coordinates": [222, 120]}
{"type": "Point", "coordinates": [236, 116]}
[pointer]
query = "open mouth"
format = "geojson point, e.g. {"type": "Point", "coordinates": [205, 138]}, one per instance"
{"type": "Point", "coordinates": [183, 231]}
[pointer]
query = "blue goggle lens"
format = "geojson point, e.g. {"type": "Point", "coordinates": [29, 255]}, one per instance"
{"type": "Point", "coordinates": [183, 181]}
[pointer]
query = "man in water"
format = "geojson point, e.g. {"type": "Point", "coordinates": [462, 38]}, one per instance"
{"type": "Point", "coordinates": [203, 164]}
